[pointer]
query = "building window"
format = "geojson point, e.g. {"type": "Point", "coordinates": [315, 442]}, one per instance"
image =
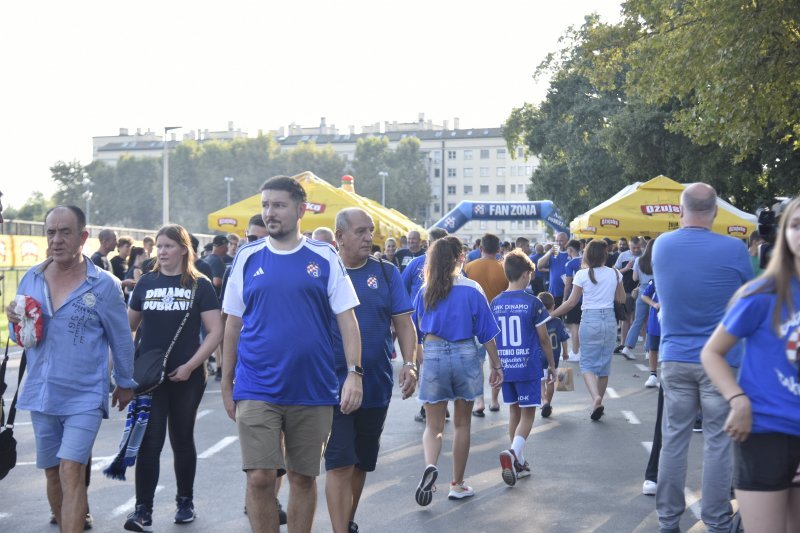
{"type": "Point", "coordinates": [467, 189]}
{"type": "Point", "coordinates": [484, 154]}
{"type": "Point", "coordinates": [468, 172]}
{"type": "Point", "coordinates": [482, 224]}
{"type": "Point", "coordinates": [484, 189]}
{"type": "Point", "coordinates": [451, 189]}
{"type": "Point", "coordinates": [484, 172]}
{"type": "Point", "coordinates": [514, 224]}
{"type": "Point", "coordinates": [528, 170]}
{"type": "Point", "coordinates": [451, 154]}
{"type": "Point", "coordinates": [501, 189]}
{"type": "Point", "coordinates": [501, 153]}
{"type": "Point", "coordinates": [437, 172]}
{"type": "Point", "coordinates": [513, 172]}
{"type": "Point", "coordinates": [467, 154]}
{"type": "Point", "coordinates": [451, 173]}
{"type": "Point", "coordinates": [513, 188]}
{"type": "Point", "coordinates": [437, 155]}
{"type": "Point", "coordinates": [501, 172]}
{"type": "Point", "coordinates": [435, 208]}
{"type": "Point", "coordinates": [520, 152]}
{"type": "Point", "coordinates": [451, 206]}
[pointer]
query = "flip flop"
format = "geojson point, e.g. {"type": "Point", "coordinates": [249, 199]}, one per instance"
{"type": "Point", "coordinates": [597, 413]}
{"type": "Point", "coordinates": [494, 409]}
{"type": "Point", "coordinates": [479, 413]}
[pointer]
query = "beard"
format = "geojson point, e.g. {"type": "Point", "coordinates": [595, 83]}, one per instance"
{"type": "Point", "coordinates": [281, 232]}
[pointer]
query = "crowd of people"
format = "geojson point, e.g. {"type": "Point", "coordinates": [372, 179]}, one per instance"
{"type": "Point", "coordinates": [303, 329]}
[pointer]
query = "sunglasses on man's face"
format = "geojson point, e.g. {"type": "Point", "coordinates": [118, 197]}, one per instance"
{"type": "Point", "coordinates": [251, 238]}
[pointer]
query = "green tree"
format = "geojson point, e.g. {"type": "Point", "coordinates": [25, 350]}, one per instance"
{"type": "Point", "coordinates": [321, 160]}
{"type": "Point", "coordinates": [731, 64]}
{"type": "Point", "coordinates": [72, 183]}
{"type": "Point", "coordinates": [33, 209]}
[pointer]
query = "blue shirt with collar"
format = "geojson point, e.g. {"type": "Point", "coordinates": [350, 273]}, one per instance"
{"type": "Point", "coordinates": [68, 368]}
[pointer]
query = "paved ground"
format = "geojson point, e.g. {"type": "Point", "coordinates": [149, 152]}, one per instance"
{"type": "Point", "coordinates": [586, 476]}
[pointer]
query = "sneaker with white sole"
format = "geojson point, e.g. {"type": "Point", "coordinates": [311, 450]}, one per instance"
{"type": "Point", "coordinates": [628, 354]}
{"type": "Point", "coordinates": [522, 470]}
{"type": "Point", "coordinates": [649, 487]}
{"type": "Point", "coordinates": [652, 382]}
{"type": "Point", "coordinates": [141, 520]}
{"type": "Point", "coordinates": [508, 472]}
{"type": "Point", "coordinates": [426, 486]}
{"type": "Point", "coordinates": [459, 491]}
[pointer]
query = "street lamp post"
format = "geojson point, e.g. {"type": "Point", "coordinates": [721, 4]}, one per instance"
{"type": "Point", "coordinates": [383, 176]}
{"type": "Point", "coordinates": [228, 181]}
{"type": "Point", "coordinates": [165, 191]}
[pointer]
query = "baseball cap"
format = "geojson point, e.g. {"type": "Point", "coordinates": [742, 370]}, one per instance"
{"type": "Point", "coordinates": [220, 240]}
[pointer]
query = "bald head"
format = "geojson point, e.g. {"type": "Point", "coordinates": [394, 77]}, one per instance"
{"type": "Point", "coordinates": [414, 242]}
{"type": "Point", "coordinates": [323, 234]}
{"type": "Point", "coordinates": [698, 205]}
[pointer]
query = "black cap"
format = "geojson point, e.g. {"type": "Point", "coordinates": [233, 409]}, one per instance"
{"type": "Point", "coordinates": [220, 240]}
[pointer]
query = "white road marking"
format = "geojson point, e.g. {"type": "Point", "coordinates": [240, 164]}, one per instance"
{"type": "Point", "coordinates": [643, 368]}
{"type": "Point", "coordinates": [203, 413]}
{"type": "Point", "coordinates": [4, 515]}
{"type": "Point", "coordinates": [647, 446]}
{"type": "Point", "coordinates": [611, 393]}
{"type": "Point", "coordinates": [630, 417]}
{"type": "Point", "coordinates": [693, 502]}
{"type": "Point", "coordinates": [128, 505]}
{"type": "Point", "coordinates": [227, 441]}
{"type": "Point", "coordinates": [26, 463]}
{"type": "Point", "coordinates": [99, 463]}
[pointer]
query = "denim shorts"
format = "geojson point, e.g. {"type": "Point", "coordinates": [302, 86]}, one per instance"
{"type": "Point", "coordinates": [69, 437]}
{"type": "Point", "coordinates": [598, 335]}
{"type": "Point", "coordinates": [451, 371]}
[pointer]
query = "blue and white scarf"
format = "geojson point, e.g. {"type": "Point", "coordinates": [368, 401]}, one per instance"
{"type": "Point", "coordinates": [135, 427]}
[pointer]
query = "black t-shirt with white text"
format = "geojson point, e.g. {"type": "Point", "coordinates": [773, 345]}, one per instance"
{"type": "Point", "coordinates": [163, 303]}
{"type": "Point", "coordinates": [404, 257]}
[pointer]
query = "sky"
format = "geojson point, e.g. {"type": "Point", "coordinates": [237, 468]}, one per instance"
{"type": "Point", "coordinates": [75, 70]}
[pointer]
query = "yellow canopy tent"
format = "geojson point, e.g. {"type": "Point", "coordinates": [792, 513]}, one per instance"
{"type": "Point", "coordinates": [324, 201]}
{"type": "Point", "coordinates": [652, 208]}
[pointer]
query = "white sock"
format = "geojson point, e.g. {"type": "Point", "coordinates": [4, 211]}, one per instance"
{"type": "Point", "coordinates": [518, 445]}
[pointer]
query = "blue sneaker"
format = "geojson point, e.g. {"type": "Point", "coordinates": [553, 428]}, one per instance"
{"type": "Point", "coordinates": [185, 512]}
{"type": "Point", "coordinates": [141, 519]}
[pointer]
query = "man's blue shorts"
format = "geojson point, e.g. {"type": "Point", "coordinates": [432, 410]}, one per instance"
{"type": "Point", "coordinates": [355, 439]}
{"type": "Point", "coordinates": [524, 393]}
{"type": "Point", "coordinates": [69, 437]}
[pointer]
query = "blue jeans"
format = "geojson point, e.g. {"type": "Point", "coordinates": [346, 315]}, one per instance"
{"type": "Point", "coordinates": [641, 312]}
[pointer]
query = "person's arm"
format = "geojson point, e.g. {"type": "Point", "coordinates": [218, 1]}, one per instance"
{"type": "Point", "coordinates": [113, 319]}
{"type": "Point", "coordinates": [407, 339]}
{"type": "Point", "coordinates": [567, 285]}
{"type": "Point", "coordinates": [496, 375]}
{"type": "Point", "coordinates": [740, 418]}
{"type": "Point", "coordinates": [233, 329]}
{"type": "Point", "coordinates": [547, 348]}
{"type": "Point", "coordinates": [544, 261]}
{"type": "Point", "coordinates": [352, 391]}
{"type": "Point", "coordinates": [212, 322]}
{"type": "Point", "coordinates": [564, 350]}
{"type": "Point", "coordinates": [649, 301]}
{"type": "Point", "coordinates": [572, 301]}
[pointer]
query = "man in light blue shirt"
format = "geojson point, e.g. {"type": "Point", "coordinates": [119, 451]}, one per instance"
{"type": "Point", "coordinates": [696, 272]}
{"type": "Point", "coordinates": [67, 386]}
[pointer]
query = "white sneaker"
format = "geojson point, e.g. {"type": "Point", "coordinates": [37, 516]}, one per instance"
{"type": "Point", "coordinates": [649, 488]}
{"type": "Point", "coordinates": [628, 354]}
{"type": "Point", "coordinates": [652, 382]}
{"type": "Point", "coordinates": [459, 491]}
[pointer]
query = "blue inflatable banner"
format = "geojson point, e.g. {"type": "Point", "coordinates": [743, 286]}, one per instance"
{"type": "Point", "coordinates": [466, 211]}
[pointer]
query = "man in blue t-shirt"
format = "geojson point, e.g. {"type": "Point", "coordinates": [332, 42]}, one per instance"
{"type": "Point", "coordinates": [696, 272]}
{"type": "Point", "coordinates": [414, 273]}
{"type": "Point", "coordinates": [537, 283]}
{"type": "Point", "coordinates": [283, 293]}
{"type": "Point", "coordinates": [573, 317]}
{"type": "Point", "coordinates": [353, 446]}
{"type": "Point", "coordinates": [555, 260]}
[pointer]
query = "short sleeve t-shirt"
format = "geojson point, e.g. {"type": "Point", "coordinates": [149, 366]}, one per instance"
{"type": "Point", "coordinates": [101, 261]}
{"type": "Point", "coordinates": [119, 266]}
{"type": "Point", "coordinates": [557, 265]}
{"type": "Point", "coordinates": [653, 319]}
{"type": "Point", "coordinates": [163, 302]}
{"type": "Point", "coordinates": [217, 265]}
{"type": "Point", "coordinates": [598, 295]}
{"type": "Point", "coordinates": [404, 257]}
{"type": "Point", "coordinates": [414, 275]}
{"type": "Point", "coordinates": [572, 266]}
{"type": "Point", "coordinates": [770, 371]}
{"type": "Point", "coordinates": [489, 274]}
{"type": "Point", "coordinates": [518, 314]}
{"type": "Point", "coordinates": [462, 315]}
{"type": "Point", "coordinates": [535, 259]}
{"type": "Point", "coordinates": [558, 334]}
{"type": "Point", "coordinates": [382, 295]}
{"type": "Point", "coordinates": [287, 301]}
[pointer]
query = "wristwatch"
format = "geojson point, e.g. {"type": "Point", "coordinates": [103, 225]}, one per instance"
{"type": "Point", "coordinates": [356, 370]}
{"type": "Point", "coordinates": [410, 363]}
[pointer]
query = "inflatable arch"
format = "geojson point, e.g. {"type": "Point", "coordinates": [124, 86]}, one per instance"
{"type": "Point", "coordinates": [466, 211]}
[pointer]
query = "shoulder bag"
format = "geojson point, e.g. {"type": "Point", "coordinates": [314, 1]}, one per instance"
{"type": "Point", "coordinates": [620, 309]}
{"type": "Point", "coordinates": [8, 444]}
{"type": "Point", "coordinates": [150, 367]}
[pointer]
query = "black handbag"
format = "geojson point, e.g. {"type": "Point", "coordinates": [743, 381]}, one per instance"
{"type": "Point", "coordinates": [8, 444]}
{"type": "Point", "coordinates": [150, 367]}
{"type": "Point", "coordinates": [620, 309]}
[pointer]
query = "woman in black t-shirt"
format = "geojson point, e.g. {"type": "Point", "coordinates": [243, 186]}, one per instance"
{"type": "Point", "coordinates": [158, 304]}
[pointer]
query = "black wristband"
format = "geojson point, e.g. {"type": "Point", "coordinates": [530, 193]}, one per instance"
{"type": "Point", "coordinates": [735, 396]}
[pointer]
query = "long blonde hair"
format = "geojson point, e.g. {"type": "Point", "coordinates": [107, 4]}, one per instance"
{"type": "Point", "coordinates": [777, 277]}
{"type": "Point", "coordinates": [177, 233]}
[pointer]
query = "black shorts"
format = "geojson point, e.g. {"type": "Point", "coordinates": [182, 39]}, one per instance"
{"type": "Point", "coordinates": [355, 439]}
{"type": "Point", "coordinates": [573, 316]}
{"type": "Point", "coordinates": [766, 462]}
{"type": "Point", "coordinates": [559, 299]}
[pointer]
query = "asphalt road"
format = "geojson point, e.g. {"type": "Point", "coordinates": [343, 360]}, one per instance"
{"type": "Point", "coordinates": [586, 476]}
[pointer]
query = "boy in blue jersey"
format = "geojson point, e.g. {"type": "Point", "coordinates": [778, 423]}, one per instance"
{"type": "Point", "coordinates": [523, 337]}
{"type": "Point", "coordinates": [558, 336]}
